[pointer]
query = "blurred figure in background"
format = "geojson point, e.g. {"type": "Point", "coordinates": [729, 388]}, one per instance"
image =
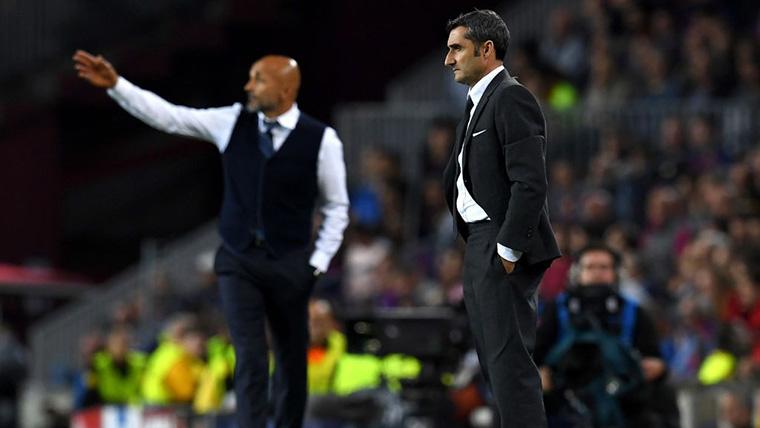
{"type": "Point", "coordinates": [573, 363]}
{"type": "Point", "coordinates": [115, 374]}
{"type": "Point", "coordinates": [365, 250]}
{"type": "Point", "coordinates": [734, 410]}
{"type": "Point", "coordinates": [563, 47]}
{"type": "Point", "coordinates": [449, 275]}
{"type": "Point", "coordinates": [743, 311]}
{"type": "Point", "coordinates": [216, 378]}
{"type": "Point", "coordinates": [173, 370]}
{"type": "Point", "coordinates": [438, 144]}
{"type": "Point", "coordinates": [13, 368]}
{"type": "Point", "coordinates": [327, 346]}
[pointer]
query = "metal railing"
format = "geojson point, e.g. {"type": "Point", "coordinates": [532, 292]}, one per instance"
{"type": "Point", "coordinates": [55, 341]}
{"type": "Point", "coordinates": [573, 135]}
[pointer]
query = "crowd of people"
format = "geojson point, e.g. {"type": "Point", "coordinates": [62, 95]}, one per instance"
{"type": "Point", "coordinates": [189, 366]}
{"type": "Point", "coordinates": [610, 53]}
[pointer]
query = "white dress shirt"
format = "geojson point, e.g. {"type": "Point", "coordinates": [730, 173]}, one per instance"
{"type": "Point", "coordinates": [468, 208]}
{"type": "Point", "coordinates": [215, 125]}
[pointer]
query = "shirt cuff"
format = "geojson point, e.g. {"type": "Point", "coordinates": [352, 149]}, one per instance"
{"type": "Point", "coordinates": [118, 88]}
{"type": "Point", "coordinates": [320, 260]}
{"type": "Point", "coordinates": [508, 254]}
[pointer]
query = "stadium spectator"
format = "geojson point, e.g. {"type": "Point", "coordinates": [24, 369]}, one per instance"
{"type": "Point", "coordinates": [174, 368]}
{"type": "Point", "coordinates": [115, 373]}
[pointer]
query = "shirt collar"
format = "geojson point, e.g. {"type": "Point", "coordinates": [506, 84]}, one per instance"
{"type": "Point", "coordinates": [288, 120]}
{"type": "Point", "coordinates": [477, 90]}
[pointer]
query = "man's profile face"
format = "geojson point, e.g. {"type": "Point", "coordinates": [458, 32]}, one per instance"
{"type": "Point", "coordinates": [596, 267]}
{"type": "Point", "coordinates": [468, 68]}
{"type": "Point", "coordinates": [264, 89]}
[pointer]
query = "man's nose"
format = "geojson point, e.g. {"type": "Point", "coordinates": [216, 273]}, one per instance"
{"type": "Point", "coordinates": [448, 60]}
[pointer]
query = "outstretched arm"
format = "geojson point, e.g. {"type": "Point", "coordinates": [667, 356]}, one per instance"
{"type": "Point", "coordinates": [214, 125]}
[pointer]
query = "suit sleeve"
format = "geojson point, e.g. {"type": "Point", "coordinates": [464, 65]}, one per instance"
{"type": "Point", "coordinates": [520, 127]}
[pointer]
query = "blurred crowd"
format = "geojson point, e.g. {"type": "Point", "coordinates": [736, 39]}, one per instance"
{"type": "Point", "coordinates": [686, 222]}
{"type": "Point", "coordinates": [609, 53]}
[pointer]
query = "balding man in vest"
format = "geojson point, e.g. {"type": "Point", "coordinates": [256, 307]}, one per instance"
{"type": "Point", "coordinates": [277, 163]}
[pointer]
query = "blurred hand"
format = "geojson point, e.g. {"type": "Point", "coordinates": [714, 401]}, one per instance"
{"type": "Point", "coordinates": [652, 368]}
{"type": "Point", "coordinates": [508, 266]}
{"type": "Point", "coordinates": [546, 378]}
{"type": "Point", "coordinates": [95, 69]}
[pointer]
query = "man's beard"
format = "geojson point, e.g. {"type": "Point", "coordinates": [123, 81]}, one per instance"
{"type": "Point", "coordinates": [255, 106]}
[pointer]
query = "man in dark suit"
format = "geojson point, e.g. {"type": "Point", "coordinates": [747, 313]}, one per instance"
{"type": "Point", "coordinates": [495, 185]}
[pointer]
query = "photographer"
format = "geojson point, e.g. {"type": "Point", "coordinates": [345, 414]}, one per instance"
{"type": "Point", "coordinates": [598, 352]}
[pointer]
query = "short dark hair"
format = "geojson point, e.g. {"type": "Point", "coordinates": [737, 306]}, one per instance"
{"type": "Point", "coordinates": [592, 248]}
{"type": "Point", "coordinates": [483, 25]}
{"type": "Point", "coordinates": [602, 248]}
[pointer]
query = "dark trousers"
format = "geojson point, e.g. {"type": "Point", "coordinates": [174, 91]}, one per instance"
{"type": "Point", "coordinates": [256, 287]}
{"type": "Point", "coordinates": [502, 313]}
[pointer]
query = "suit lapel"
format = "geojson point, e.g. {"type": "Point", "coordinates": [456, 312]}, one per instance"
{"type": "Point", "coordinates": [453, 166]}
{"type": "Point", "coordinates": [479, 110]}
{"type": "Point", "coordinates": [482, 103]}
{"type": "Point", "coordinates": [460, 136]}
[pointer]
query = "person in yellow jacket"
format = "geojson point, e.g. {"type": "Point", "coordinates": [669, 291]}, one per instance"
{"type": "Point", "coordinates": [357, 372]}
{"type": "Point", "coordinates": [721, 364]}
{"type": "Point", "coordinates": [115, 373]}
{"type": "Point", "coordinates": [332, 370]}
{"type": "Point", "coordinates": [326, 346]}
{"type": "Point", "coordinates": [717, 367]}
{"type": "Point", "coordinates": [344, 386]}
{"type": "Point", "coordinates": [214, 379]}
{"type": "Point", "coordinates": [174, 368]}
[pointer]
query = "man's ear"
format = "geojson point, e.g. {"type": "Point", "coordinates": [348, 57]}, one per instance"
{"type": "Point", "coordinates": [487, 49]}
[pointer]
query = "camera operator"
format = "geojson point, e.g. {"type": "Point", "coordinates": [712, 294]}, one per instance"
{"type": "Point", "coordinates": [592, 335]}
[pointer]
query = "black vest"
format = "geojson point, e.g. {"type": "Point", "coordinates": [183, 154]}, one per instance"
{"type": "Point", "coordinates": [270, 199]}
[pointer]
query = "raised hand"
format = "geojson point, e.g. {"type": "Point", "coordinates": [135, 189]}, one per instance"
{"type": "Point", "coordinates": [95, 69]}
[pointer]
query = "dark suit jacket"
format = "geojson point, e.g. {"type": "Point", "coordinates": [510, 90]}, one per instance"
{"type": "Point", "coordinates": [505, 168]}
